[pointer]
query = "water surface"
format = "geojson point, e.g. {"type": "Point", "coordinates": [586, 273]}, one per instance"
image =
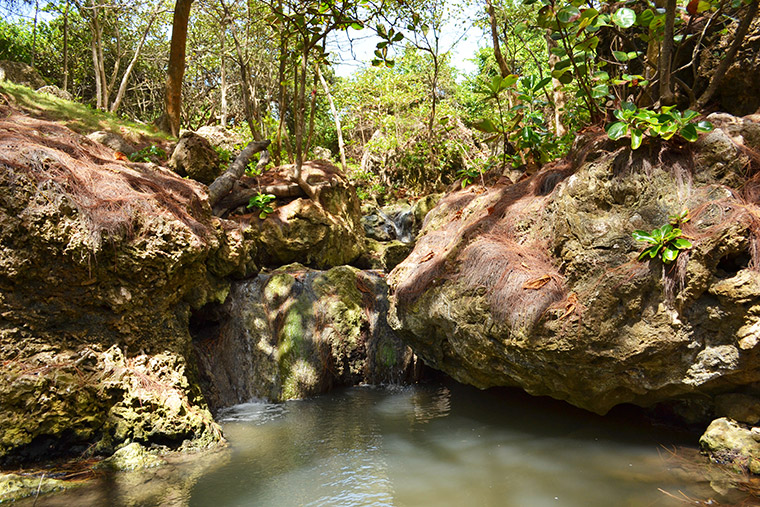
{"type": "Point", "coordinates": [426, 445]}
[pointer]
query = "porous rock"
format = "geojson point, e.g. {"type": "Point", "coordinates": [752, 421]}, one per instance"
{"type": "Point", "coordinates": [102, 263]}
{"type": "Point", "coordinates": [56, 92]}
{"type": "Point", "coordinates": [537, 285]}
{"type": "Point", "coordinates": [730, 443]}
{"type": "Point", "coordinates": [196, 158]}
{"type": "Point", "coordinates": [21, 73]}
{"type": "Point", "coordinates": [223, 138]}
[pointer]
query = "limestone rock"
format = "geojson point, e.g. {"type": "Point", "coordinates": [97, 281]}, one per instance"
{"type": "Point", "coordinates": [196, 158]}
{"type": "Point", "coordinates": [21, 73]}
{"type": "Point", "coordinates": [297, 332]}
{"type": "Point", "coordinates": [537, 285]}
{"type": "Point", "coordinates": [132, 457]}
{"type": "Point", "coordinates": [113, 141]}
{"type": "Point", "coordinates": [729, 443]}
{"type": "Point", "coordinates": [320, 235]}
{"type": "Point", "coordinates": [739, 407]}
{"type": "Point", "coordinates": [15, 487]}
{"type": "Point", "coordinates": [220, 137]}
{"type": "Point", "coordinates": [56, 92]}
{"type": "Point", "coordinates": [102, 265]}
{"type": "Point", "coordinates": [321, 153]}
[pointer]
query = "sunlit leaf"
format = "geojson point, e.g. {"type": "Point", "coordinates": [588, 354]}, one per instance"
{"type": "Point", "coordinates": [624, 17]}
{"type": "Point", "coordinates": [616, 130]}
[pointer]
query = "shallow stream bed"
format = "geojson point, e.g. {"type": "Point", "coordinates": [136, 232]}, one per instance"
{"type": "Point", "coordinates": [435, 444]}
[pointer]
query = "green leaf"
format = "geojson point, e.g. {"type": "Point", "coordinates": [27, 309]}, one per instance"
{"type": "Point", "coordinates": [704, 126]}
{"type": "Point", "coordinates": [356, 25]}
{"type": "Point", "coordinates": [620, 56]}
{"type": "Point", "coordinates": [689, 132]}
{"type": "Point", "coordinates": [669, 255]}
{"type": "Point", "coordinates": [681, 243]}
{"type": "Point", "coordinates": [616, 130]}
{"type": "Point", "coordinates": [689, 114]}
{"type": "Point", "coordinates": [486, 126]}
{"type": "Point", "coordinates": [624, 17]}
{"type": "Point", "coordinates": [637, 137]}
{"type": "Point", "coordinates": [588, 44]}
{"type": "Point", "coordinates": [545, 81]}
{"type": "Point", "coordinates": [645, 18]}
{"type": "Point", "coordinates": [632, 55]}
{"type": "Point", "coordinates": [567, 14]}
{"type": "Point", "coordinates": [600, 91]}
{"type": "Point", "coordinates": [398, 37]}
{"type": "Point", "coordinates": [558, 51]}
{"type": "Point", "coordinates": [640, 235]}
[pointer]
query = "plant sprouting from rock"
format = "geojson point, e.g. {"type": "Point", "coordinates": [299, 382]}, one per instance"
{"type": "Point", "coordinates": [666, 241]}
{"type": "Point", "coordinates": [262, 202]}
{"type": "Point", "coordinates": [637, 122]}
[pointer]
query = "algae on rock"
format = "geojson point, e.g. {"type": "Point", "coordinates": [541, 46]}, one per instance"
{"type": "Point", "coordinates": [298, 332]}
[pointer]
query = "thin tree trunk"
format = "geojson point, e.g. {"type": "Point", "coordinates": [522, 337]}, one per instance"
{"type": "Point", "coordinates": [667, 97]}
{"type": "Point", "coordinates": [95, 65]}
{"type": "Point", "coordinates": [66, 47]}
{"type": "Point", "coordinates": [312, 113]}
{"type": "Point", "coordinates": [176, 70]}
{"type": "Point", "coordinates": [125, 78]}
{"type": "Point", "coordinates": [728, 59]}
{"type": "Point", "coordinates": [224, 78]}
{"type": "Point", "coordinates": [558, 95]}
{"type": "Point", "coordinates": [224, 183]}
{"type": "Point", "coordinates": [281, 98]}
{"type": "Point", "coordinates": [503, 67]}
{"type": "Point", "coordinates": [34, 31]}
{"type": "Point", "coordinates": [336, 119]}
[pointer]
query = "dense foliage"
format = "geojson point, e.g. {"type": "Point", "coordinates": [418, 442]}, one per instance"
{"type": "Point", "coordinates": [409, 121]}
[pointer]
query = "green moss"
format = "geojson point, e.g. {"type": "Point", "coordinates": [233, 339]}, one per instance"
{"type": "Point", "coordinates": [387, 354]}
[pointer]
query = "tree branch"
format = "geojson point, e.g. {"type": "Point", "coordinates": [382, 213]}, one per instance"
{"type": "Point", "coordinates": [223, 184]}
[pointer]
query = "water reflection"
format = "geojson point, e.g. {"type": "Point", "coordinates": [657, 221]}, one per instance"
{"type": "Point", "coordinates": [436, 445]}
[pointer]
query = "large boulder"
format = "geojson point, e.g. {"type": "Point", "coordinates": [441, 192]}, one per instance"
{"type": "Point", "coordinates": [21, 73]}
{"type": "Point", "coordinates": [538, 285]}
{"type": "Point", "coordinates": [196, 158]}
{"type": "Point", "coordinates": [298, 332]}
{"type": "Point", "coordinates": [320, 234]}
{"type": "Point", "coordinates": [102, 264]}
{"type": "Point", "coordinates": [728, 442]}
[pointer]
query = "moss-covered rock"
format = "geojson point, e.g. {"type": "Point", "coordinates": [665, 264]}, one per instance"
{"type": "Point", "coordinates": [15, 487]}
{"type": "Point", "coordinates": [132, 457]}
{"type": "Point", "coordinates": [298, 332]}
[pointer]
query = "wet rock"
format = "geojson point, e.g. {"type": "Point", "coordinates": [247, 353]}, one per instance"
{"type": "Point", "coordinates": [196, 158]}
{"type": "Point", "coordinates": [132, 457]}
{"type": "Point", "coordinates": [21, 73]}
{"type": "Point", "coordinates": [113, 141]}
{"type": "Point", "coordinates": [537, 285]}
{"type": "Point", "coordinates": [298, 332]}
{"type": "Point", "coordinates": [15, 487]}
{"type": "Point", "coordinates": [727, 442]}
{"type": "Point", "coordinates": [384, 255]}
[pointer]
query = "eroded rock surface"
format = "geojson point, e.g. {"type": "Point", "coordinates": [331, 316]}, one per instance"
{"type": "Point", "coordinates": [298, 332]}
{"type": "Point", "coordinates": [196, 158]}
{"type": "Point", "coordinates": [102, 263]}
{"type": "Point", "coordinates": [537, 285]}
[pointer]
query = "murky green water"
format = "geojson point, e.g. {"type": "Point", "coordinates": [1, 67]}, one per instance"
{"type": "Point", "coordinates": [426, 445]}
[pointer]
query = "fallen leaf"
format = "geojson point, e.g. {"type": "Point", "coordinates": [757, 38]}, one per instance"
{"type": "Point", "coordinates": [571, 305]}
{"type": "Point", "coordinates": [537, 283]}
{"type": "Point", "coordinates": [427, 257]}
{"type": "Point", "coordinates": [119, 156]}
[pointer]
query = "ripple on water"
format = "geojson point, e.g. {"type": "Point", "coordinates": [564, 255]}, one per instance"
{"type": "Point", "coordinates": [257, 412]}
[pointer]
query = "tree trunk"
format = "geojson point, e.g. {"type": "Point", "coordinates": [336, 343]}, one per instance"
{"type": "Point", "coordinates": [312, 114]}
{"type": "Point", "coordinates": [558, 95]}
{"type": "Point", "coordinates": [728, 59]}
{"type": "Point", "coordinates": [224, 183]}
{"type": "Point", "coordinates": [336, 119]}
{"type": "Point", "coordinates": [224, 79]}
{"type": "Point", "coordinates": [34, 31]}
{"type": "Point", "coordinates": [667, 97]}
{"type": "Point", "coordinates": [125, 78]}
{"type": "Point", "coordinates": [176, 70]}
{"type": "Point", "coordinates": [503, 67]}
{"type": "Point", "coordinates": [66, 47]}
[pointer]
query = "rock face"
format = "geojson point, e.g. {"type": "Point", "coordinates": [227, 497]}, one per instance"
{"type": "Point", "coordinates": [195, 157]}
{"type": "Point", "coordinates": [21, 73]}
{"type": "Point", "coordinates": [320, 235]}
{"type": "Point", "coordinates": [296, 333]}
{"type": "Point", "coordinates": [102, 264]}
{"type": "Point", "coordinates": [537, 285]}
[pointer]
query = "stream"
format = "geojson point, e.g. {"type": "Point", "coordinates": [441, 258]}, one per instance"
{"type": "Point", "coordinates": [432, 444]}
